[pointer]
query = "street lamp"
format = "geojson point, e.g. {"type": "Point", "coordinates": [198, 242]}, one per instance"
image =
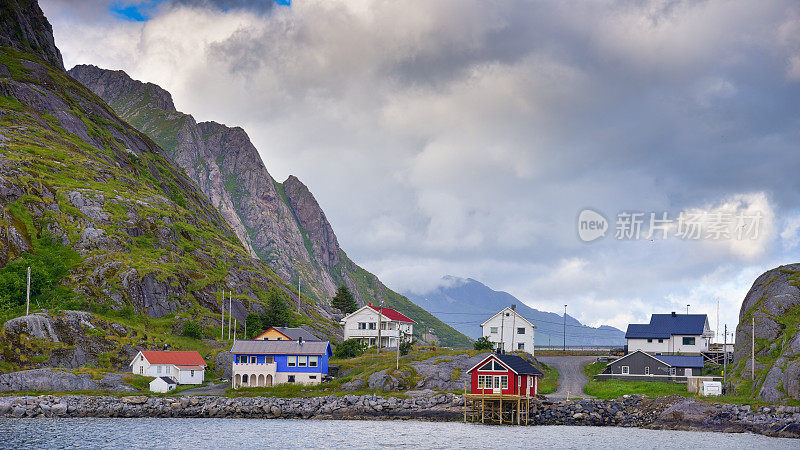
{"type": "Point", "coordinates": [687, 309]}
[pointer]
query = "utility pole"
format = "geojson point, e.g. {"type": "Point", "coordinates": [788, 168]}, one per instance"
{"type": "Point", "coordinates": [753, 351]}
{"type": "Point", "coordinates": [222, 330]}
{"type": "Point", "coordinates": [234, 330]}
{"type": "Point", "coordinates": [28, 294]}
{"type": "Point", "coordinates": [502, 329]}
{"type": "Point", "coordinates": [725, 358]}
{"type": "Point", "coordinates": [298, 291]}
{"type": "Point", "coordinates": [230, 313]}
{"type": "Point", "coordinates": [513, 326]}
{"type": "Point", "coordinates": [399, 333]}
{"type": "Point", "coordinates": [716, 333]}
{"type": "Point", "coordinates": [687, 310]}
{"type": "Point", "coordinates": [565, 327]}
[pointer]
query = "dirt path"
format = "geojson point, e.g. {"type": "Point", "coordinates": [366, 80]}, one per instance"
{"type": "Point", "coordinates": [570, 375]}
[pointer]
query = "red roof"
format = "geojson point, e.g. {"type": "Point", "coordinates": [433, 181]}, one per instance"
{"type": "Point", "coordinates": [392, 314]}
{"type": "Point", "coordinates": [177, 358]}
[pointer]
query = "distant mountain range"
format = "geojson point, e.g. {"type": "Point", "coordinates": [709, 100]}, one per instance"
{"type": "Point", "coordinates": [465, 303]}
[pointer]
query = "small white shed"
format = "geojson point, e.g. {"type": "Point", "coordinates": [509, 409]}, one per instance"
{"type": "Point", "coordinates": [162, 384]}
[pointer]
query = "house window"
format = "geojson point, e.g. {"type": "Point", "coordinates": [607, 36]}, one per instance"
{"type": "Point", "coordinates": [141, 370]}
{"type": "Point", "coordinates": [647, 370]}
{"type": "Point", "coordinates": [168, 368]}
{"type": "Point", "coordinates": [252, 360]}
{"type": "Point", "coordinates": [371, 341]}
{"type": "Point", "coordinates": [362, 325]}
{"type": "Point", "coordinates": [521, 330]}
{"type": "Point", "coordinates": [243, 359]}
{"type": "Point", "coordinates": [269, 360]}
{"type": "Point", "coordinates": [484, 382]}
{"type": "Point", "coordinates": [312, 361]}
{"type": "Point", "coordinates": [291, 361]}
{"type": "Point", "coordinates": [244, 379]}
{"type": "Point", "coordinates": [302, 361]}
{"type": "Point", "coordinates": [312, 377]}
{"type": "Point", "coordinates": [688, 340]}
{"type": "Point", "coordinates": [672, 371]}
{"type": "Point", "coordinates": [660, 341]}
{"type": "Point", "coordinates": [521, 346]}
{"type": "Point", "coordinates": [649, 341]}
{"type": "Point", "coordinates": [291, 379]}
{"type": "Point", "coordinates": [191, 372]}
{"type": "Point", "coordinates": [504, 382]}
{"type": "Point", "coordinates": [493, 330]}
{"type": "Point", "coordinates": [625, 370]}
{"type": "Point", "coordinates": [159, 369]}
{"type": "Point", "coordinates": [372, 325]}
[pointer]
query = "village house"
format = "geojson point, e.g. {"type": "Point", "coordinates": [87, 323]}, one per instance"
{"type": "Point", "coordinates": [504, 374]}
{"type": "Point", "coordinates": [362, 324]}
{"type": "Point", "coordinates": [509, 331]}
{"type": "Point", "coordinates": [646, 367]}
{"type": "Point", "coordinates": [670, 334]}
{"type": "Point", "coordinates": [162, 384]}
{"type": "Point", "coordinates": [258, 363]}
{"type": "Point", "coordinates": [285, 334]}
{"type": "Point", "coordinates": [183, 367]}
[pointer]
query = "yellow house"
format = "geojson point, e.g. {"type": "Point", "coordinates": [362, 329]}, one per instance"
{"type": "Point", "coordinates": [285, 334]}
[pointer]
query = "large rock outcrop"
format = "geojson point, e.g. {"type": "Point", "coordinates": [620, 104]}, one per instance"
{"type": "Point", "coordinates": [24, 27]}
{"type": "Point", "coordinates": [774, 303]}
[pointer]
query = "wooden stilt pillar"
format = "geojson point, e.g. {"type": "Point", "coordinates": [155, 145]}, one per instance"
{"type": "Point", "coordinates": [465, 401]}
{"type": "Point", "coordinates": [483, 403]}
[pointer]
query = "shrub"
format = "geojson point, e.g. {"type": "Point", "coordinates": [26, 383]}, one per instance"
{"type": "Point", "coordinates": [254, 325]}
{"type": "Point", "coordinates": [192, 330]}
{"type": "Point", "coordinates": [405, 347]}
{"type": "Point", "coordinates": [350, 348]}
{"type": "Point", "coordinates": [484, 344]}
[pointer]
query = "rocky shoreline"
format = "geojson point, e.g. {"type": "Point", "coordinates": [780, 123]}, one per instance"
{"type": "Point", "coordinates": [674, 413]}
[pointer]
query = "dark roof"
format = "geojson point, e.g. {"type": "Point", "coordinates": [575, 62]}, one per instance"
{"type": "Point", "coordinates": [281, 347]}
{"type": "Point", "coordinates": [513, 362]}
{"type": "Point", "coordinates": [662, 326]}
{"type": "Point", "coordinates": [168, 380]}
{"type": "Point", "coordinates": [682, 360]}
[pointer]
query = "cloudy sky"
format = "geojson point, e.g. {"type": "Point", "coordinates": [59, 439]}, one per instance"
{"type": "Point", "coordinates": [464, 137]}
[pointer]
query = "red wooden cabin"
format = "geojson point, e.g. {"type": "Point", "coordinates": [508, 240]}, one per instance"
{"type": "Point", "coordinates": [504, 374]}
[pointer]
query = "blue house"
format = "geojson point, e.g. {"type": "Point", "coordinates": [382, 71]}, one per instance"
{"type": "Point", "coordinates": [264, 363]}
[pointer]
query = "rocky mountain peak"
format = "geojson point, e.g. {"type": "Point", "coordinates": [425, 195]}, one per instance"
{"type": "Point", "coordinates": [116, 85]}
{"type": "Point", "coordinates": [313, 220]}
{"type": "Point", "coordinates": [24, 27]}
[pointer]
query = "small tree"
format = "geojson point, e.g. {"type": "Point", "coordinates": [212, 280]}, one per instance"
{"type": "Point", "coordinates": [277, 313]}
{"type": "Point", "coordinates": [192, 330]}
{"type": "Point", "coordinates": [350, 348]}
{"type": "Point", "coordinates": [484, 344]}
{"type": "Point", "coordinates": [344, 301]}
{"type": "Point", "coordinates": [254, 325]}
{"type": "Point", "coordinates": [406, 346]}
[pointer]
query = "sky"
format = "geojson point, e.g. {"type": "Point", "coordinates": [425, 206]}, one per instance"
{"type": "Point", "coordinates": [464, 138]}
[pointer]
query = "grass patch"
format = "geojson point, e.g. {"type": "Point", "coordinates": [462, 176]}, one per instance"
{"type": "Point", "coordinates": [549, 382]}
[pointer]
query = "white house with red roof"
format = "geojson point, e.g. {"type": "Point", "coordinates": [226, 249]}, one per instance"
{"type": "Point", "coordinates": [182, 367]}
{"type": "Point", "coordinates": [364, 324]}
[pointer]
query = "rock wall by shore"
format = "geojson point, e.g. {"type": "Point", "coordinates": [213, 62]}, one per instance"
{"type": "Point", "coordinates": [632, 411]}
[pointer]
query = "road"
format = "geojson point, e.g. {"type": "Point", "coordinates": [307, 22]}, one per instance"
{"type": "Point", "coordinates": [570, 375]}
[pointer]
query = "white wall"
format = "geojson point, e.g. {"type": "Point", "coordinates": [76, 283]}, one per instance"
{"type": "Point", "coordinates": [159, 385]}
{"type": "Point", "coordinates": [507, 329]}
{"type": "Point", "coordinates": [393, 329]}
{"type": "Point", "coordinates": [185, 376]}
{"type": "Point", "coordinates": [671, 345]}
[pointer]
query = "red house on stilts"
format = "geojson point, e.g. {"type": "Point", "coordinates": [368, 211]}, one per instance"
{"type": "Point", "coordinates": [506, 375]}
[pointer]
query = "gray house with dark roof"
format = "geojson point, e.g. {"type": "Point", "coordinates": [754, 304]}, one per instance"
{"type": "Point", "coordinates": [643, 366]}
{"type": "Point", "coordinates": [671, 334]}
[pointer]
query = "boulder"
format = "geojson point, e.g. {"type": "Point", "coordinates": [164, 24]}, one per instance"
{"type": "Point", "coordinates": [46, 380]}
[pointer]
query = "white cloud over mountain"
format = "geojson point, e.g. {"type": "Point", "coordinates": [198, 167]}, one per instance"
{"type": "Point", "coordinates": [463, 137]}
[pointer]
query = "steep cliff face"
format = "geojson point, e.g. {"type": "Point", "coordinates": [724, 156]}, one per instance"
{"type": "Point", "coordinates": [73, 173]}
{"type": "Point", "coordinates": [24, 27]}
{"type": "Point", "coordinates": [281, 223]}
{"type": "Point", "coordinates": [774, 303]}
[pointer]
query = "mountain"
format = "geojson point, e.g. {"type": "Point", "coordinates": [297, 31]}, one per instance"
{"type": "Point", "coordinates": [772, 306]}
{"type": "Point", "coordinates": [102, 214]}
{"type": "Point", "coordinates": [466, 303]}
{"type": "Point", "coordinates": [280, 223]}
